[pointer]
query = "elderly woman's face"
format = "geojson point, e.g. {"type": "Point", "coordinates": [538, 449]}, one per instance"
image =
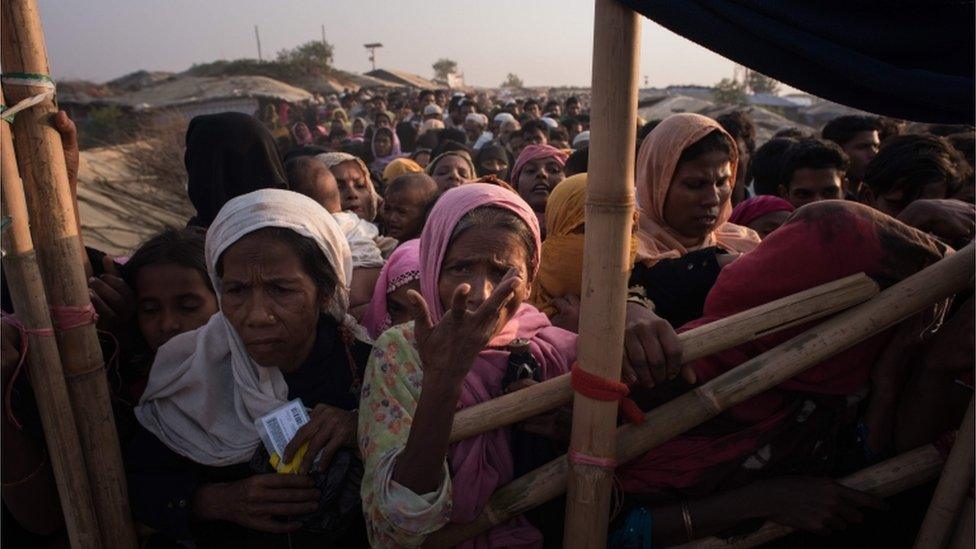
{"type": "Point", "coordinates": [698, 191]}
{"type": "Point", "coordinates": [480, 257]}
{"type": "Point", "coordinates": [270, 300]}
{"type": "Point", "coordinates": [537, 180]}
{"type": "Point", "coordinates": [451, 172]}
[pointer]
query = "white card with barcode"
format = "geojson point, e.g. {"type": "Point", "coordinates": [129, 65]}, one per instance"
{"type": "Point", "coordinates": [282, 424]}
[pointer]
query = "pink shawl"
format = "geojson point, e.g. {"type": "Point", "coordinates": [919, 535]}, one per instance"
{"type": "Point", "coordinates": [482, 464]}
{"type": "Point", "coordinates": [656, 164]}
{"type": "Point", "coordinates": [402, 267]}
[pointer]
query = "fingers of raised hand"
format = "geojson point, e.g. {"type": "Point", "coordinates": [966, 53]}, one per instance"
{"type": "Point", "coordinates": [419, 310]}
{"type": "Point", "coordinates": [500, 296]}
{"type": "Point", "coordinates": [459, 301]}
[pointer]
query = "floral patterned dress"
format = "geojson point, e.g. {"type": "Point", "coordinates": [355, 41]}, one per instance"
{"type": "Point", "coordinates": [395, 515]}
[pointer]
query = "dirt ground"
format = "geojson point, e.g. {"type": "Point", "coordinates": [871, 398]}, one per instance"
{"type": "Point", "coordinates": [120, 209]}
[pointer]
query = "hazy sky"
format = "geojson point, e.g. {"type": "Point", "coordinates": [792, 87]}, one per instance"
{"type": "Point", "coordinates": [545, 42]}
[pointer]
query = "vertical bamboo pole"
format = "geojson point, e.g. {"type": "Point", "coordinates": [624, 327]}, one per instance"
{"type": "Point", "coordinates": [609, 219]}
{"type": "Point", "coordinates": [954, 484]}
{"type": "Point", "coordinates": [55, 235]}
{"type": "Point", "coordinates": [44, 364]}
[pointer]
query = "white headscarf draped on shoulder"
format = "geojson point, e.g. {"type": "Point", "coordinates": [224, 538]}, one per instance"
{"type": "Point", "coordinates": [204, 390]}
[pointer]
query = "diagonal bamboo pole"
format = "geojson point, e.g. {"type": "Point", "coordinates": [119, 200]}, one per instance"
{"type": "Point", "coordinates": [955, 483]}
{"type": "Point", "coordinates": [965, 534]}
{"type": "Point", "coordinates": [937, 282]}
{"type": "Point", "coordinates": [55, 233]}
{"type": "Point", "coordinates": [748, 325]}
{"type": "Point", "coordinates": [890, 477]}
{"type": "Point", "coordinates": [609, 220]}
{"type": "Point", "coordinates": [44, 364]}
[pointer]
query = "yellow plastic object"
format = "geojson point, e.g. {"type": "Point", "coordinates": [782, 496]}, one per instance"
{"type": "Point", "coordinates": [296, 461]}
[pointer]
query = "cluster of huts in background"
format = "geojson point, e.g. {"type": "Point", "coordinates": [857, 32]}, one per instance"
{"type": "Point", "coordinates": [149, 95]}
{"type": "Point", "coordinates": [132, 131]}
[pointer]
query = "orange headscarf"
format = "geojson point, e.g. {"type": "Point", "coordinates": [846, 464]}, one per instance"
{"type": "Point", "coordinates": [656, 164]}
{"type": "Point", "coordinates": [561, 268]}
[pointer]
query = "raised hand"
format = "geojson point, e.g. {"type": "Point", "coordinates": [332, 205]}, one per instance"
{"type": "Point", "coordinates": [449, 347]}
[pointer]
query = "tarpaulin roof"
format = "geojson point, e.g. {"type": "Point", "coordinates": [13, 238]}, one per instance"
{"type": "Point", "coordinates": [912, 59]}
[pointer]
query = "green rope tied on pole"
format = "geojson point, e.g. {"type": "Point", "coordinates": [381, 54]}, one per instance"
{"type": "Point", "coordinates": [26, 79]}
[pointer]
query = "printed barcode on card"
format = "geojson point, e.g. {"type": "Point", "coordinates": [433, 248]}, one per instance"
{"type": "Point", "coordinates": [277, 434]}
{"type": "Point", "coordinates": [296, 414]}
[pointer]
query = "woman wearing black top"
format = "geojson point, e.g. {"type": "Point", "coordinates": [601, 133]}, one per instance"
{"type": "Point", "coordinates": [280, 266]}
{"type": "Point", "coordinates": [685, 175]}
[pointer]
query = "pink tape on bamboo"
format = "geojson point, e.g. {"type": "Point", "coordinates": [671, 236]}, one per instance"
{"type": "Point", "coordinates": [584, 459]}
{"type": "Point", "coordinates": [64, 317]}
{"type": "Point", "coordinates": [25, 333]}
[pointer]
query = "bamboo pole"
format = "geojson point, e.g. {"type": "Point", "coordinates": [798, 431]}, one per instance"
{"type": "Point", "coordinates": [609, 220]}
{"type": "Point", "coordinates": [43, 363]}
{"type": "Point", "coordinates": [965, 535]}
{"type": "Point", "coordinates": [937, 282]}
{"type": "Point", "coordinates": [55, 234]}
{"type": "Point", "coordinates": [699, 342]}
{"type": "Point", "coordinates": [954, 484]}
{"type": "Point", "coordinates": [913, 468]}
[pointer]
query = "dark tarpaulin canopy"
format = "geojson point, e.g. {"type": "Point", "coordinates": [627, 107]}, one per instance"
{"type": "Point", "coordinates": [912, 60]}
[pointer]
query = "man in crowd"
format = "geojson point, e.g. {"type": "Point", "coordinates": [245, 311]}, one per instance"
{"type": "Point", "coordinates": [859, 137]}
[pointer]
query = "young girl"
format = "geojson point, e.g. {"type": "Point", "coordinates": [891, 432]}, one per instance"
{"type": "Point", "coordinates": [173, 292]}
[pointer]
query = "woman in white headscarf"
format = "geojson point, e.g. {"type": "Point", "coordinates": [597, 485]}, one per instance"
{"type": "Point", "coordinates": [281, 271]}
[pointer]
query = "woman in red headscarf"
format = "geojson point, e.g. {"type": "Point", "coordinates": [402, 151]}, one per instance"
{"type": "Point", "coordinates": [805, 426]}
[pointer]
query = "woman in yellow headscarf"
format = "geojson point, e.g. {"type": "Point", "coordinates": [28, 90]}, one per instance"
{"type": "Point", "coordinates": [399, 167]}
{"type": "Point", "coordinates": [560, 277]}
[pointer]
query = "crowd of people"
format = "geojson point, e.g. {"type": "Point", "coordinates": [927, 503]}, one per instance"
{"type": "Point", "coordinates": [390, 259]}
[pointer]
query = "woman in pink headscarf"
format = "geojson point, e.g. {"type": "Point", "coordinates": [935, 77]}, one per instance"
{"type": "Point", "coordinates": [301, 134]}
{"type": "Point", "coordinates": [479, 253]}
{"type": "Point", "coordinates": [536, 173]}
{"type": "Point", "coordinates": [685, 176]}
{"type": "Point", "coordinates": [390, 303]}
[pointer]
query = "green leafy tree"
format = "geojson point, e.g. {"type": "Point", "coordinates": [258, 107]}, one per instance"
{"type": "Point", "coordinates": [513, 81]}
{"type": "Point", "coordinates": [313, 57]}
{"type": "Point", "coordinates": [760, 83]}
{"type": "Point", "coordinates": [444, 67]}
{"type": "Point", "coordinates": [309, 59]}
{"type": "Point", "coordinates": [729, 92]}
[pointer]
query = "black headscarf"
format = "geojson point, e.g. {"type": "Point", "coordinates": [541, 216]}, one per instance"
{"type": "Point", "coordinates": [407, 133]}
{"type": "Point", "coordinates": [227, 155]}
{"type": "Point", "coordinates": [491, 150]}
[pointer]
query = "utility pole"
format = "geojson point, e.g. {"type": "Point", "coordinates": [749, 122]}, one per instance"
{"type": "Point", "coordinates": [372, 52]}
{"type": "Point", "coordinates": [257, 36]}
{"type": "Point", "coordinates": [323, 35]}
